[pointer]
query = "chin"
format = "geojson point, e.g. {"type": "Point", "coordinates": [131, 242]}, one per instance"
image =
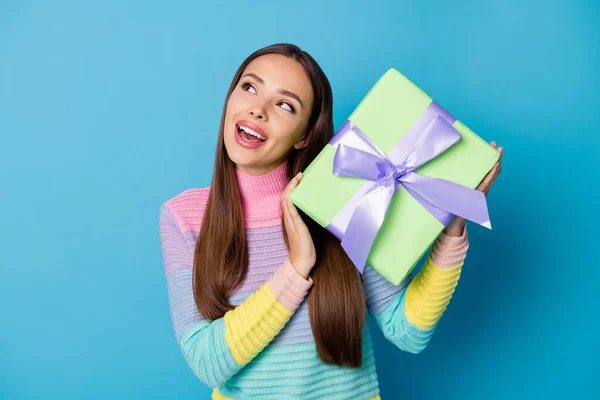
{"type": "Point", "coordinates": [240, 161]}
{"type": "Point", "coordinates": [237, 156]}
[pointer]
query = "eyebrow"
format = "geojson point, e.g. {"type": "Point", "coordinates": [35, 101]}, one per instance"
{"type": "Point", "coordinates": [282, 91]}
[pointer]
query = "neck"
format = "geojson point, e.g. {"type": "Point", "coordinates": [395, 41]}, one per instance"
{"type": "Point", "coordinates": [261, 195]}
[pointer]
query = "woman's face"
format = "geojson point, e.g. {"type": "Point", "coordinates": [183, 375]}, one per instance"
{"type": "Point", "coordinates": [272, 100]}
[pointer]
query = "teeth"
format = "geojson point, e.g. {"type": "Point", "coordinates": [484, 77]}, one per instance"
{"type": "Point", "coordinates": [251, 132]}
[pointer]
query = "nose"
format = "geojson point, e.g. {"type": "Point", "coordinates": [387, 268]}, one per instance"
{"type": "Point", "coordinates": [258, 114]}
{"type": "Point", "coordinates": [258, 110]}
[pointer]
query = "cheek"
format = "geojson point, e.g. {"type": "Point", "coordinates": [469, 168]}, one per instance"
{"type": "Point", "coordinates": [228, 110]}
{"type": "Point", "coordinates": [233, 104]}
{"type": "Point", "coordinates": [291, 132]}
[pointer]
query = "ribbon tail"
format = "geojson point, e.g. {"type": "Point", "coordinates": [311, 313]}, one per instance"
{"type": "Point", "coordinates": [443, 216]}
{"type": "Point", "coordinates": [448, 196]}
{"type": "Point", "coordinates": [365, 223]}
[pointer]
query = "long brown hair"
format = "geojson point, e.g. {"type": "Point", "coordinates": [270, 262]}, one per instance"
{"type": "Point", "coordinates": [336, 301]}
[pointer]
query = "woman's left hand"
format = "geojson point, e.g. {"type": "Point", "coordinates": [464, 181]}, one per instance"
{"type": "Point", "coordinates": [457, 224]}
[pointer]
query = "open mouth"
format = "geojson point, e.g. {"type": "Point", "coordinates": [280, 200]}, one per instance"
{"type": "Point", "coordinates": [249, 135]}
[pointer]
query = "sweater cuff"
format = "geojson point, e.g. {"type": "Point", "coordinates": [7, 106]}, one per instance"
{"type": "Point", "coordinates": [451, 240]}
{"type": "Point", "coordinates": [450, 251]}
{"type": "Point", "coordinates": [288, 286]}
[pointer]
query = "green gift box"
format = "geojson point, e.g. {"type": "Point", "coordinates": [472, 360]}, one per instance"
{"type": "Point", "coordinates": [395, 110]}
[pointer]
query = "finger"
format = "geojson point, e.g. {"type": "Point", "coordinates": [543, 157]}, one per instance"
{"type": "Point", "coordinates": [489, 185]}
{"type": "Point", "coordinates": [289, 225]}
{"type": "Point", "coordinates": [287, 203]}
{"type": "Point", "coordinates": [295, 216]}
{"type": "Point", "coordinates": [494, 172]}
{"type": "Point", "coordinates": [493, 175]}
{"type": "Point", "coordinates": [291, 185]}
{"type": "Point", "coordinates": [501, 151]}
{"type": "Point", "coordinates": [483, 186]}
{"type": "Point", "coordinates": [488, 178]}
{"type": "Point", "coordinates": [292, 209]}
{"type": "Point", "coordinates": [287, 189]}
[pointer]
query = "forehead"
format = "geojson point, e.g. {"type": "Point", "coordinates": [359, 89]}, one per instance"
{"type": "Point", "coordinates": [281, 72]}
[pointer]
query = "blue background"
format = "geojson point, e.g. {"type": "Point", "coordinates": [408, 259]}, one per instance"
{"type": "Point", "coordinates": [110, 108]}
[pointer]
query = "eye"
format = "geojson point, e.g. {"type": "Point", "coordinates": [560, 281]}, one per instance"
{"type": "Point", "coordinates": [245, 85]}
{"type": "Point", "coordinates": [289, 105]}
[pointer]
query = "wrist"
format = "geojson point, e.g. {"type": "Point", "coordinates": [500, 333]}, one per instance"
{"type": "Point", "coordinates": [300, 268]}
{"type": "Point", "coordinates": [456, 227]}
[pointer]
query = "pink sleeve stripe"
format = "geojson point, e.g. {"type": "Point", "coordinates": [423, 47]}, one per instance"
{"type": "Point", "coordinates": [288, 286]}
{"type": "Point", "coordinates": [450, 251]}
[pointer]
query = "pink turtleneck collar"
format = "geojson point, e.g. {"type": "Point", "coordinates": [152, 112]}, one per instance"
{"type": "Point", "coordinates": [261, 196]}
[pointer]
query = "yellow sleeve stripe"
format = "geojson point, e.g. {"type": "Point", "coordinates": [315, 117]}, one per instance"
{"type": "Point", "coordinates": [429, 293]}
{"type": "Point", "coordinates": [254, 323]}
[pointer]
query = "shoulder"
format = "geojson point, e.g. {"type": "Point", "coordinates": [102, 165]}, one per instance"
{"type": "Point", "coordinates": [187, 208]}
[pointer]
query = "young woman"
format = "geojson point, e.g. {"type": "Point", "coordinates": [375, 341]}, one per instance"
{"type": "Point", "coordinates": [265, 303]}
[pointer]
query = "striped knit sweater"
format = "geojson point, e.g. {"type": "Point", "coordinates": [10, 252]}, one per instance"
{"type": "Point", "coordinates": [264, 347]}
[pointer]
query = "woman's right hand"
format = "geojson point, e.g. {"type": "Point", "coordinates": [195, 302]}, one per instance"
{"type": "Point", "coordinates": [303, 255]}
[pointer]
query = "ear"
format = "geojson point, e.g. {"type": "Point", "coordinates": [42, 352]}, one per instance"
{"type": "Point", "coordinates": [302, 143]}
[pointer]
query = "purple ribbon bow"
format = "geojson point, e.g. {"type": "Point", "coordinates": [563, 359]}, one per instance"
{"type": "Point", "coordinates": [441, 198]}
